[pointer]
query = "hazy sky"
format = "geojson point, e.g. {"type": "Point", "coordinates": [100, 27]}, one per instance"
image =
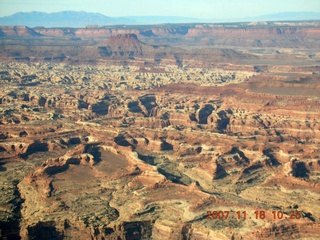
{"type": "Point", "coordinates": [188, 8]}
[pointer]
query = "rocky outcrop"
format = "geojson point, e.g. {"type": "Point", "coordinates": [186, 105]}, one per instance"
{"type": "Point", "coordinates": [19, 31]}
{"type": "Point", "coordinates": [246, 35]}
{"type": "Point", "coordinates": [187, 148]}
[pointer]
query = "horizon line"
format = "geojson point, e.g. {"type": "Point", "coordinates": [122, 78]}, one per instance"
{"type": "Point", "coordinates": [181, 16]}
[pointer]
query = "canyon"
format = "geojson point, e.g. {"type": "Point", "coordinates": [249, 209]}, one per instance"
{"type": "Point", "coordinates": [185, 131]}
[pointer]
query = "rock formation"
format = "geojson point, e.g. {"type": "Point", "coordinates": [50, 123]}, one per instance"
{"type": "Point", "coordinates": [192, 146]}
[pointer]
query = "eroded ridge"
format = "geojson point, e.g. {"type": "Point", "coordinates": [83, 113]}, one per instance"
{"type": "Point", "coordinates": [150, 141]}
{"type": "Point", "coordinates": [111, 162]}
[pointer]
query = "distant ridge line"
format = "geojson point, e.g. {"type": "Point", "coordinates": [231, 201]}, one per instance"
{"type": "Point", "coordinates": [80, 19]}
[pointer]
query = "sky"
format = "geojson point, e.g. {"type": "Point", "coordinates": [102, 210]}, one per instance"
{"type": "Point", "coordinates": [209, 9]}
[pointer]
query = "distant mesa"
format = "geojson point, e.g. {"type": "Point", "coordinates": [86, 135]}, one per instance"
{"type": "Point", "coordinates": [124, 45]}
{"type": "Point", "coordinates": [18, 31]}
{"type": "Point", "coordinates": [124, 40]}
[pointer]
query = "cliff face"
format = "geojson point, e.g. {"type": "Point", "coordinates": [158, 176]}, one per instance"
{"type": "Point", "coordinates": [87, 154]}
{"type": "Point", "coordinates": [18, 31]}
{"type": "Point", "coordinates": [121, 45]}
{"type": "Point", "coordinates": [187, 31]}
{"type": "Point", "coordinates": [110, 137]}
{"type": "Point", "coordinates": [257, 36]}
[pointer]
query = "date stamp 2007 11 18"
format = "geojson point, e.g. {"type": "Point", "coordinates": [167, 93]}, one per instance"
{"type": "Point", "coordinates": [256, 215]}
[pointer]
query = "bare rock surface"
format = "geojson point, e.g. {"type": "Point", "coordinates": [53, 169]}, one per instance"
{"type": "Point", "coordinates": [179, 149]}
